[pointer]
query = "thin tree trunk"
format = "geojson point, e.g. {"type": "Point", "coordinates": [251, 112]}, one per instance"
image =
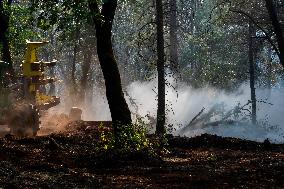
{"type": "Point", "coordinates": [252, 74]}
{"type": "Point", "coordinates": [269, 75]}
{"type": "Point", "coordinates": [160, 128]}
{"type": "Point", "coordinates": [173, 36]}
{"type": "Point", "coordinates": [85, 74]}
{"type": "Point", "coordinates": [277, 28]}
{"type": "Point", "coordinates": [73, 70]}
{"type": "Point", "coordinates": [119, 110]}
{"type": "Point", "coordinates": [192, 16]}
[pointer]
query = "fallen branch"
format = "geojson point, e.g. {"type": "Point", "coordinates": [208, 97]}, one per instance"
{"type": "Point", "coordinates": [195, 117]}
{"type": "Point", "coordinates": [184, 129]}
{"type": "Point", "coordinates": [203, 121]}
{"type": "Point", "coordinates": [236, 109]}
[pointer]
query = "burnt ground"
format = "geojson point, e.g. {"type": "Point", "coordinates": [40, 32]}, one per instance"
{"type": "Point", "coordinates": [73, 160]}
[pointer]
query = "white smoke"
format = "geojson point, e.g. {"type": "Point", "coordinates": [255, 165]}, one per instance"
{"type": "Point", "coordinates": [98, 110]}
{"type": "Point", "coordinates": [186, 103]}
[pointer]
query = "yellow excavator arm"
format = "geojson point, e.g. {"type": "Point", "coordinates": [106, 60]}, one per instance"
{"type": "Point", "coordinates": [34, 77]}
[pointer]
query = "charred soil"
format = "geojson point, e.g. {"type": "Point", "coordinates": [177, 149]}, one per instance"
{"type": "Point", "coordinates": [71, 159]}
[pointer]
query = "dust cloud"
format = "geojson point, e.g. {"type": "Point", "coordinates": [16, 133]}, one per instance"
{"type": "Point", "coordinates": [53, 121]}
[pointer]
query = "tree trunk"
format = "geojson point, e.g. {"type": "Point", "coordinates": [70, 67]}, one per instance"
{"type": "Point", "coordinates": [4, 23]}
{"type": "Point", "coordinates": [269, 74]}
{"type": "Point", "coordinates": [160, 128]}
{"type": "Point", "coordinates": [85, 74]}
{"type": "Point", "coordinates": [74, 90]}
{"type": "Point", "coordinates": [252, 74]}
{"type": "Point", "coordinates": [192, 16]}
{"type": "Point", "coordinates": [277, 28]}
{"type": "Point", "coordinates": [173, 37]}
{"type": "Point", "coordinates": [119, 110]}
{"type": "Point", "coordinates": [6, 55]}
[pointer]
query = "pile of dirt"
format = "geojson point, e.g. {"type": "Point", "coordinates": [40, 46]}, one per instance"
{"type": "Point", "coordinates": [72, 159]}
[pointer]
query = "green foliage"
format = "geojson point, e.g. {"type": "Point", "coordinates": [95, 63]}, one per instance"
{"type": "Point", "coordinates": [21, 28]}
{"type": "Point", "coordinates": [130, 138]}
{"type": "Point", "coordinates": [134, 39]}
{"type": "Point", "coordinates": [214, 53]}
{"type": "Point", "coordinates": [212, 157]}
{"type": "Point", "coordinates": [133, 137]}
{"type": "Point", "coordinates": [106, 138]}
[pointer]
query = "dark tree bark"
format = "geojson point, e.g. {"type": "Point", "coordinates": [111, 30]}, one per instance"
{"type": "Point", "coordinates": [173, 36]}
{"type": "Point", "coordinates": [119, 110]}
{"type": "Point", "coordinates": [277, 28]}
{"type": "Point", "coordinates": [252, 73]}
{"type": "Point", "coordinates": [6, 55]}
{"type": "Point", "coordinates": [160, 128]}
{"type": "Point", "coordinates": [4, 26]}
{"type": "Point", "coordinates": [4, 20]}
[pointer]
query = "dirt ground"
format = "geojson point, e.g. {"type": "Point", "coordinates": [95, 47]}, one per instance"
{"type": "Point", "coordinates": [71, 160]}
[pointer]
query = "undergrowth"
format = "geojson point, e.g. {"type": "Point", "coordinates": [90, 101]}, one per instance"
{"type": "Point", "coordinates": [133, 137]}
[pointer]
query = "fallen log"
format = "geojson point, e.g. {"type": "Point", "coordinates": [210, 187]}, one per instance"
{"type": "Point", "coordinates": [184, 129]}
{"type": "Point", "coordinates": [202, 120]}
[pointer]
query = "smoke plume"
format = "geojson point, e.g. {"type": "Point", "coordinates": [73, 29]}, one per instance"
{"type": "Point", "coordinates": [184, 103]}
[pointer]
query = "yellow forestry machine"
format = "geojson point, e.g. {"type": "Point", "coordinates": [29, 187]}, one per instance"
{"type": "Point", "coordinates": [23, 113]}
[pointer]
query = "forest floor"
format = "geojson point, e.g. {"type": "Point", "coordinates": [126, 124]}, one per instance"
{"type": "Point", "coordinates": [70, 160]}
